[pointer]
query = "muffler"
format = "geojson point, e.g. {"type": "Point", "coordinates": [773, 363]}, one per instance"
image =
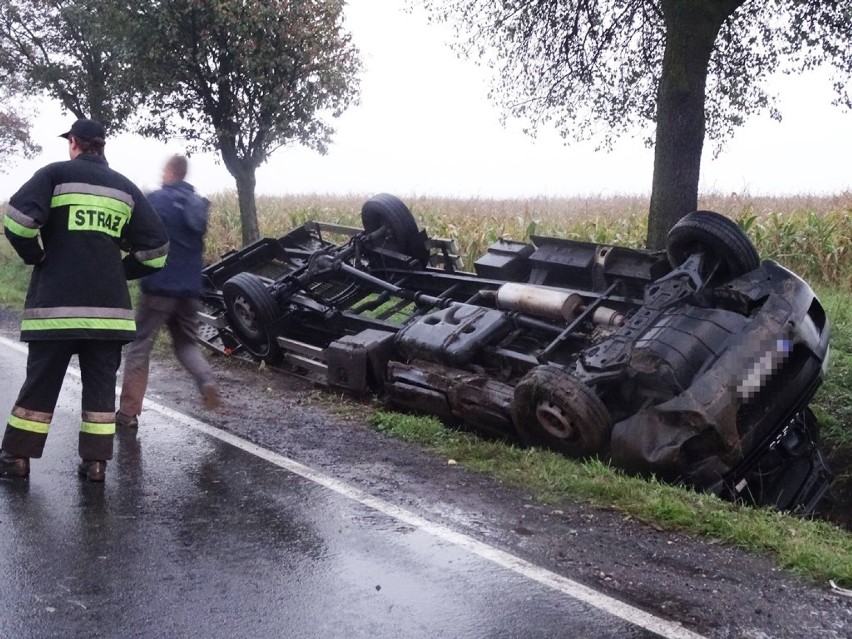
{"type": "Point", "coordinates": [539, 301]}
{"type": "Point", "coordinates": [551, 303]}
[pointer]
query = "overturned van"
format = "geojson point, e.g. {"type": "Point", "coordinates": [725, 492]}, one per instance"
{"type": "Point", "coordinates": [695, 364]}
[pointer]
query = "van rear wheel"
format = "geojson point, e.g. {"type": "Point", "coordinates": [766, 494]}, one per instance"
{"type": "Point", "coordinates": [553, 409]}
{"type": "Point", "coordinates": [404, 237]}
{"type": "Point", "coordinates": [250, 310]}
{"type": "Point", "coordinates": [721, 239]}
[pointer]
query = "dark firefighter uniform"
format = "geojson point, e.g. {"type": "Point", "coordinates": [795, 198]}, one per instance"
{"type": "Point", "coordinates": [78, 301]}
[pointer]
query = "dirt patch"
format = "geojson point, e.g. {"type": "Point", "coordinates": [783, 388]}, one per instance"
{"type": "Point", "coordinates": [837, 506]}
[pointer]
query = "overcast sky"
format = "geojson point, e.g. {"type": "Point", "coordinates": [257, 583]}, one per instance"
{"type": "Point", "coordinates": [425, 127]}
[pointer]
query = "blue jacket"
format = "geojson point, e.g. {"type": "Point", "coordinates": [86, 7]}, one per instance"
{"type": "Point", "coordinates": [184, 214]}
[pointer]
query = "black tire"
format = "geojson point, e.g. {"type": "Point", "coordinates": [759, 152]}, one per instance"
{"type": "Point", "coordinates": [388, 210]}
{"type": "Point", "coordinates": [250, 310]}
{"type": "Point", "coordinates": [553, 409]}
{"type": "Point", "coordinates": [717, 236]}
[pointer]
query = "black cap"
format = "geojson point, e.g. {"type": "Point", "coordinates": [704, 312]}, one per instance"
{"type": "Point", "coordinates": [86, 129]}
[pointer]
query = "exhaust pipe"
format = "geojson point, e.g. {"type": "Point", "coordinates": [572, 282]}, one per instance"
{"type": "Point", "coordinates": [551, 303]}
{"type": "Point", "coordinates": [539, 301]}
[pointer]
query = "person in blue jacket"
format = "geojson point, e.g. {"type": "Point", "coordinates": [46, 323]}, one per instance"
{"type": "Point", "coordinates": [73, 221]}
{"type": "Point", "coordinates": [170, 297]}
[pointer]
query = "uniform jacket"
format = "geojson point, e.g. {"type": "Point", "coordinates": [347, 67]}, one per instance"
{"type": "Point", "coordinates": [85, 214]}
{"type": "Point", "coordinates": [184, 214]}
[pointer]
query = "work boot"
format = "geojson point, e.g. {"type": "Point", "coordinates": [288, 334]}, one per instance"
{"type": "Point", "coordinates": [210, 396]}
{"type": "Point", "coordinates": [92, 469]}
{"type": "Point", "coordinates": [126, 421]}
{"type": "Point", "coordinates": [14, 465]}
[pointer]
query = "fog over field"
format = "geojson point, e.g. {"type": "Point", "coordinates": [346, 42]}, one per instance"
{"type": "Point", "coordinates": [425, 127]}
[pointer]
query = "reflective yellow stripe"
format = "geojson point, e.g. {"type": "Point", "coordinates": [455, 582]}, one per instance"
{"type": "Point", "coordinates": [18, 229]}
{"type": "Point", "coordinates": [157, 262]}
{"type": "Point", "coordinates": [69, 323]}
{"type": "Point", "coordinates": [29, 425]}
{"type": "Point", "coordinates": [97, 429]}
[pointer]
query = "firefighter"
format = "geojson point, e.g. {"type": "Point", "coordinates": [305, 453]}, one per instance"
{"type": "Point", "coordinates": [78, 302]}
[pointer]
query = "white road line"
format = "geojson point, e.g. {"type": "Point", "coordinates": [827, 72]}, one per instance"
{"type": "Point", "coordinates": [662, 627]}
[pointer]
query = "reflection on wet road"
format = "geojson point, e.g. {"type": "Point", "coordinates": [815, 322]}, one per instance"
{"type": "Point", "coordinates": [191, 536]}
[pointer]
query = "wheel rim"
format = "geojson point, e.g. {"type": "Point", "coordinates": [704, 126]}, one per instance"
{"type": "Point", "coordinates": [245, 315]}
{"type": "Point", "coordinates": [550, 407]}
{"type": "Point", "coordinates": [555, 421]}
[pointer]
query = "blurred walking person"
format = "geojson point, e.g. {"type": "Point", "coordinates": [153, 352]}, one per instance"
{"type": "Point", "coordinates": [170, 297]}
{"type": "Point", "coordinates": [78, 302]}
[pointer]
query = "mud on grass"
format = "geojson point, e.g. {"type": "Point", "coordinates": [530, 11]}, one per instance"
{"type": "Point", "coordinates": [837, 505]}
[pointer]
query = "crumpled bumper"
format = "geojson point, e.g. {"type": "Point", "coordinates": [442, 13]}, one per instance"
{"type": "Point", "coordinates": [741, 429]}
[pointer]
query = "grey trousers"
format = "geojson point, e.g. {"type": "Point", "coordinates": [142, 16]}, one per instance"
{"type": "Point", "coordinates": [152, 313]}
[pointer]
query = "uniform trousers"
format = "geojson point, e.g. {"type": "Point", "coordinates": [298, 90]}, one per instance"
{"type": "Point", "coordinates": [47, 362]}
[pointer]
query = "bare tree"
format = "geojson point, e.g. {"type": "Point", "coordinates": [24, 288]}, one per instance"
{"type": "Point", "coordinates": [693, 69]}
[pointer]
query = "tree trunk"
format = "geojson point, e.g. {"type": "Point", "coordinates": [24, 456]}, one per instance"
{"type": "Point", "coordinates": [691, 30]}
{"type": "Point", "coordinates": [244, 176]}
{"type": "Point", "coordinates": [246, 182]}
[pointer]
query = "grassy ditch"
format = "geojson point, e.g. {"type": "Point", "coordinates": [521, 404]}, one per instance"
{"type": "Point", "coordinates": [812, 236]}
{"type": "Point", "coordinates": [833, 401]}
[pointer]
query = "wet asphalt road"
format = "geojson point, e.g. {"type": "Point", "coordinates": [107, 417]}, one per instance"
{"type": "Point", "coordinates": [191, 536]}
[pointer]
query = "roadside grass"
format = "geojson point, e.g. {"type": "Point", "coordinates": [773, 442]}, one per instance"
{"type": "Point", "coordinates": [813, 549]}
{"type": "Point", "coordinates": [810, 235]}
{"type": "Point", "coordinates": [14, 277]}
{"type": "Point", "coordinates": [833, 401]}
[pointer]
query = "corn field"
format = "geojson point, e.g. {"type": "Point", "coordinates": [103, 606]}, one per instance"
{"type": "Point", "coordinates": [810, 235]}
